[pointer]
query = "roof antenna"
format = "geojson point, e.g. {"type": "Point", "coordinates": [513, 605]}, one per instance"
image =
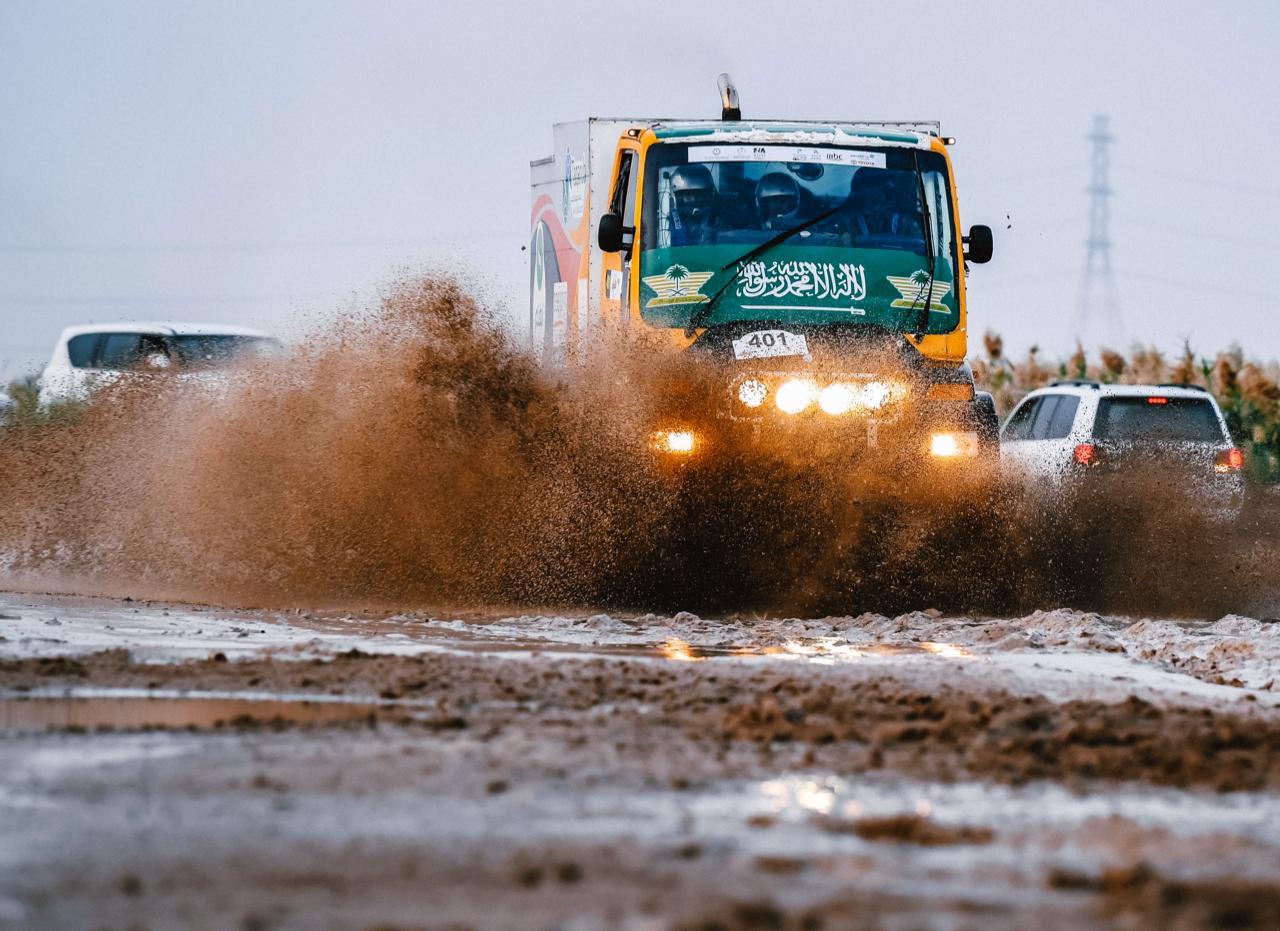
{"type": "Point", "coordinates": [728, 98]}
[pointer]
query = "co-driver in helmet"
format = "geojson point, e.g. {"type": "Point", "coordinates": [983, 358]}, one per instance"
{"type": "Point", "coordinates": [692, 217]}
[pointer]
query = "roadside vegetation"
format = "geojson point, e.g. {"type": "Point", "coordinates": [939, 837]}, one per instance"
{"type": "Point", "coordinates": [23, 394]}
{"type": "Point", "coordinates": [24, 407]}
{"type": "Point", "coordinates": [1247, 390]}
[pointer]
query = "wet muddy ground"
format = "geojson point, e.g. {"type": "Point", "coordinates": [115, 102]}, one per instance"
{"type": "Point", "coordinates": [178, 766]}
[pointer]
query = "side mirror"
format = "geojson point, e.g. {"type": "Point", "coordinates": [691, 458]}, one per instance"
{"type": "Point", "coordinates": [978, 245]}
{"type": "Point", "coordinates": [609, 234]}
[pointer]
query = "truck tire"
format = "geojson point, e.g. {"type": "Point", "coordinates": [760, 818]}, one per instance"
{"type": "Point", "coordinates": [986, 422]}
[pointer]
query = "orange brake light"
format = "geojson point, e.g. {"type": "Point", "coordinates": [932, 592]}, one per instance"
{"type": "Point", "coordinates": [1086, 454]}
{"type": "Point", "coordinates": [1228, 460]}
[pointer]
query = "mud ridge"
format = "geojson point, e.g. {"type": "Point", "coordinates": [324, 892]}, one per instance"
{"type": "Point", "coordinates": [734, 721]}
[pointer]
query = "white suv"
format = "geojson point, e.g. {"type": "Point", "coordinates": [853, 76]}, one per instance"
{"type": "Point", "coordinates": [1078, 431]}
{"type": "Point", "coordinates": [90, 357]}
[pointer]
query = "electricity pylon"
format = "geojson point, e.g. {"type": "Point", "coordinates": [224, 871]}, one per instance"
{"type": "Point", "coordinates": [1098, 306]}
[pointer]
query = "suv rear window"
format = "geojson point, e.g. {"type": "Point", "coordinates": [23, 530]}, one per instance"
{"type": "Point", "coordinates": [1191, 420]}
{"type": "Point", "coordinates": [216, 348]}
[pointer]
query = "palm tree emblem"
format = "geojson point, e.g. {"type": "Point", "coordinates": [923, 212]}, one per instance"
{"type": "Point", "coordinates": [677, 285]}
{"type": "Point", "coordinates": [677, 273]}
{"type": "Point", "coordinates": [920, 277]}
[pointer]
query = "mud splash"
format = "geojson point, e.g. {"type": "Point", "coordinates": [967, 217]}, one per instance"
{"type": "Point", "coordinates": [414, 456]}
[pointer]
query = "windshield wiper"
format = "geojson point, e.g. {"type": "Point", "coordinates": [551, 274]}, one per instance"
{"type": "Point", "coordinates": [922, 317]}
{"type": "Point", "coordinates": [741, 261]}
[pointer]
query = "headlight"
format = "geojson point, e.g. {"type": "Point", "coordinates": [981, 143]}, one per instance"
{"type": "Point", "coordinates": [874, 395]}
{"type": "Point", "coordinates": [752, 392]}
{"type": "Point", "coordinates": [795, 395]}
{"type": "Point", "coordinates": [836, 399]}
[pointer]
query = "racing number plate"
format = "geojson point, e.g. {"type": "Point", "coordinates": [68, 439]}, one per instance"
{"type": "Point", "coordinates": [761, 344]}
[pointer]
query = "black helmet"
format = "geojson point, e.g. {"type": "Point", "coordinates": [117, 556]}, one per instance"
{"type": "Point", "coordinates": [777, 198]}
{"type": "Point", "coordinates": [694, 192]}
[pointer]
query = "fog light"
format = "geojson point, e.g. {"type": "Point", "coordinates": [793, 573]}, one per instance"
{"type": "Point", "coordinates": [752, 392]}
{"type": "Point", "coordinates": [953, 445]}
{"type": "Point", "coordinates": [943, 445]}
{"type": "Point", "coordinates": [795, 395]}
{"type": "Point", "coordinates": [677, 441]}
{"type": "Point", "coordinates": [836, 399]}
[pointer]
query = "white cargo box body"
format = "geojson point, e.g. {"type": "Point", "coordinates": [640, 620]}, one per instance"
{"type": "Point", "coordinates": [570, 190]}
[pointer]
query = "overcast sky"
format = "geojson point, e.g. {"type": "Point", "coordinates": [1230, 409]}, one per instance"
{"type": "Point", "coordinates": [264, 163]}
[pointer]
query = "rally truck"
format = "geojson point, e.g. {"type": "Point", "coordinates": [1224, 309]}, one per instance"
{"type": "Point", "coordinates": [816, 268]}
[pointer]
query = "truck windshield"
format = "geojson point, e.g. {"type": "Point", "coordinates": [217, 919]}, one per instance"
{"type": "Point", "coordinates": [706, 204]}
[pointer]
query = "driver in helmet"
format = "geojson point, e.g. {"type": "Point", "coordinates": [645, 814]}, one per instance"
{"type": "Point", "coordinates": [777, 201]}
{"type": "Point", "coordinates": [694, 193]}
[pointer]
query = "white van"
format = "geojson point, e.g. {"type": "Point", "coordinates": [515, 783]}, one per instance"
{"type": "Point", "coordinates": [90, 357]}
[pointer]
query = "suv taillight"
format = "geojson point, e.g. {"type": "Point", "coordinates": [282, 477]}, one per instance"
{"type": "Point", "coordinates": [1086, 454]}
{"type": "Point", "coordinates": [1228, 460]}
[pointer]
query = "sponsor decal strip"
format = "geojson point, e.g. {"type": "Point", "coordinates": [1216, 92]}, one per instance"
{"type": "Point", "coordinates": [785, 153]}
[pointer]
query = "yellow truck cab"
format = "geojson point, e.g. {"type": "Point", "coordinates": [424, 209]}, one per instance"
{"type": "Point", "coordinates": [819, 264]}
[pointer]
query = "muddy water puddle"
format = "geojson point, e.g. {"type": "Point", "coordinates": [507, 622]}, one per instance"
{"type": "Point", "coordinates": [113, 712]}
{"type": "Point", "coordinates": [828, 650]}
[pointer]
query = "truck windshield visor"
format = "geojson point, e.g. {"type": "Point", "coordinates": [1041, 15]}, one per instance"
{"type": "Point", "coordinates": [706, 204]}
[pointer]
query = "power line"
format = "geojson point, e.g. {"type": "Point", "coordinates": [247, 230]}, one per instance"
{"type": "Point", "coordinates": [1043, 174]}
{"type": "Point", "coordinates": [18, 300]}
{"type": "Point", "coordinates": [1268, 246]}
{"type": "Point", "coordinates": [1052, 223]}
{"type": "Point", "coordinates": [116, 248]}
{"type": "Point", "coordinates": [1043, 223]}
{"type": "Point", "coordinates": [1201, 180]}
{"type": "Point", "coordinates": [1265, 297]}
{"type": "Point", "coordinates": [1181, 284]}
{"type": "Point", "coordinates": [1252, 190]}
{"type": "Point", "coordinates": [1007, 284]}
